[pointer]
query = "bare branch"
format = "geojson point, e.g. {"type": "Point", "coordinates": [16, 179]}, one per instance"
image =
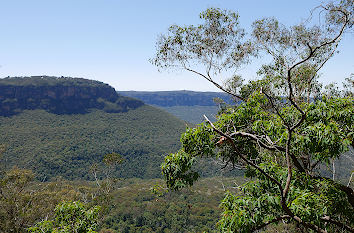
{"type": "Point", "coordinates": [274, 107]}
{"type": "Point", "coordinates": [269, 147]}
{"type": "Point", "coordinates": [229, 138]}
{"type": "Point", "coordinates": [311, 54]}
{"type": "Point", "coordinates": [215, 83]}
{"type": "Point", "coordinates": [350, 179]}
{"type": "Point", "coordinates": [309, 225]}
{"type": "Point", "coordinates": [288, 179]}
{"type": "Point", "coordinates": [312, 51]}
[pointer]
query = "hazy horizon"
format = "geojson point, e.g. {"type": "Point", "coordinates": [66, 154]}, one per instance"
{"type": "Point", "coordinates": [111, 41]}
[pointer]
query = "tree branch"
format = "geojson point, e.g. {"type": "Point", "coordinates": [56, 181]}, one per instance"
{"type": "Point", "coordinates": [311, 54]}
{"type": "Point", "coordinates": [339, 224]}
{"type": "Point", "coordinates": [350, 179]}
{"type": "Point", "coordinates": [288, 179]}
{"type": "Point", "coordinates": [229, 138]}
{"type": "Point", "coordinates": [308, 225]}
{"type": "Point", "coordinates": [284, 206]}
{"type": "Point", "coordinates": [270, 147]}
{"type": "Point", "coordinates": [293, 158]}
{"type": "Point", "coordinates": [215, 83]}
{"type": "Point", "coordinates": [274, 107]}
{"type": "Point", "coordinates": [347, 190]}
{"type": "Point", "coordinates": [270, 222]}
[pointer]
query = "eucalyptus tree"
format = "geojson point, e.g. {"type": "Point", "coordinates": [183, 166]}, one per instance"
{"type": "Point", "coordinates": [70, 217]}
{"type": "Point", "coordinates": [284, 127]}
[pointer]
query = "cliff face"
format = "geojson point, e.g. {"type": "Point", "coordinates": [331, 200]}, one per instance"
{"type": "Point", "coordinates": [60, 96]}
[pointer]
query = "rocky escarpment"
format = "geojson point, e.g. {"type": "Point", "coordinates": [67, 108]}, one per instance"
{"type": "Point", "coordinates": [62, 95]}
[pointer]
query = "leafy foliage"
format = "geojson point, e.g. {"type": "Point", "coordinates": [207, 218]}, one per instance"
{"type": "Point", "coordinates": [23, 200]}
{"type": "Point", "coordinates": [70, 217]}
{"type": "Point", "coordinates": [284, 130]}
{"type": "Point", "coordinates": [136, 209]}
{"type": "Point", "coordinates": [176, 169]}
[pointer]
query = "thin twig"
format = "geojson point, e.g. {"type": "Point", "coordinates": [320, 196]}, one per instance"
{"type": "Point", "coordinates": [215, 83]}
{"type": "Point", "coordinates": [229, 138]}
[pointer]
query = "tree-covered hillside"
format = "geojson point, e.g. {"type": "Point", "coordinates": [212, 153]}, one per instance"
{"type": "Point", "coordinates": [60, 95]}
{"type": "Point", "coordinates": [67, 145]}
{"type": "Point", "coordinates": [63, 126]}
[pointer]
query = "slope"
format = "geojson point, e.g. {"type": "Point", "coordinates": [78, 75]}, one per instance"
{"type": "Point", "coordinates": [67, 145]}
{"type": "Point", "coordinates": [61, 126]}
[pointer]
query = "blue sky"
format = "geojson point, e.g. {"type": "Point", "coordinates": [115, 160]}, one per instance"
{"type": "Point", "coordinates": [112, 40]}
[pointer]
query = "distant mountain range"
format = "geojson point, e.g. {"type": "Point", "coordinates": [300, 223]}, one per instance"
{"type": "Point", "coordinates": [186, 105]}
{"type": "Point", "coordinates": [178, 98]}
{"type": "Point", "coordinates": [61, 126]}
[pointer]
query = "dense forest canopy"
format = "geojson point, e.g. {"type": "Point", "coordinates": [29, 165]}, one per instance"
{"type": "Point", "coordinates": [74, 122]}
{"type": "Point", "coordinates": [76, 156]}
{"type": "Point", "coordinates": [68, 145]}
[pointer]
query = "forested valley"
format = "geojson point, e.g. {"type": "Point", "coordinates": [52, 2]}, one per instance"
{"type": "Point", "coordinates": [53, 152]}
{"type": "Point", "coordinates": [271, 152]}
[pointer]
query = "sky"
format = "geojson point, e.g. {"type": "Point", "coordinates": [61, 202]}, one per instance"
{"type": "Point", "coordinates": [112, 40]}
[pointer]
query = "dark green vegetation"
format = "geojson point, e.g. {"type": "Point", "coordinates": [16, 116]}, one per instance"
{"type": "Point", "coordinates": [70, 217]}
{"type": "Point", "coordinates": [128, 206]}
{"type": "Point", "coordinates": [62, 95]}
{"type": "Point", "coordinates": [24, 201]}
{"type": "Point", "coordinates": [139, 210]}
{"type": "Point", "coordinates": [63, 126]}
{"type": "Point", "coordinates": [67, 145]}
{"type": "Point", "coordinates": [286, 127]}
{"type": "Point", "coordinates": [189, 106]}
